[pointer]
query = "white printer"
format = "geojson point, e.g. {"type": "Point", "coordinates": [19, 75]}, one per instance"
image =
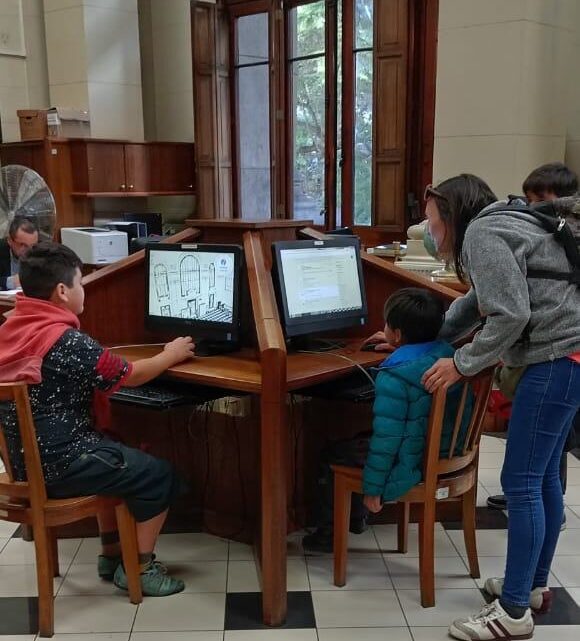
{"type": "Point", "coordinates": [95, 245]}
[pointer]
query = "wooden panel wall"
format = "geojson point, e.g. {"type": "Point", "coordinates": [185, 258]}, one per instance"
{"type": "Point", "coordinates": [211, 82]}
{"type": "Point", "coordinates": [389, 127]}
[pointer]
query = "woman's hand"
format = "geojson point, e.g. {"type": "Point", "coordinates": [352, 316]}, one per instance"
{"type": "Point", "coordinates": [379, 340]}
{"type": "Point", "coordinates": [442, 375]}
{"type": "Point", "coordinates": [373, 503]}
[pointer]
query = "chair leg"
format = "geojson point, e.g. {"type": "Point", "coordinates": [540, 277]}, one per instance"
{"type": "Point", "coordinates": [427, 555]}
{"type": "Point", "coordinates": [130, 551]}
{"type": "Point", "coordinates": [468, 515]}
{"type": "Point", "coordinates": [342, 500]}
{"type": "Point", "coordinates": [54, 552]}
{"type": "Point", "coordinates": [44, 576]}
{"type": "Point", "coordinates": [404, 510]}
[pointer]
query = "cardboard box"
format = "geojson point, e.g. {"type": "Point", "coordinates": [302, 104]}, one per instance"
{"type": "Point", "coordinates": [68, 123]}
{"type": "Point", "coordinates": [33, 124]}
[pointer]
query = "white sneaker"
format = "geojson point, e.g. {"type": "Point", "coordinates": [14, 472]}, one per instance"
{"type": "Point", "coordinates": [492, 623]}
{"type": "Point", "coordinates": [540, 598]}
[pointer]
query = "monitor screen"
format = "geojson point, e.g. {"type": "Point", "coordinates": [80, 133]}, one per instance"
{"type": "Point", "coordinates": [319, 285]}
{"type": "Point", "coordinates": [194, 289]}
{"type": "Point", "coordinates": [154, 222]}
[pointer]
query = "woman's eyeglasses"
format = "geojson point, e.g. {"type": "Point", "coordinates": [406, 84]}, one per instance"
{"type": "Point", "coordinates": [431, 191]}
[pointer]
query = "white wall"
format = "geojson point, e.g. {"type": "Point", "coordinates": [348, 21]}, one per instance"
{"type": "Point", "coordinates": [504, 78]}
{"type": "Point", "coordinates": [24, 81]}
{"type": "Point", "coordinates": [167, 71]}
{"type": "Point", "coordinates": [94, 63]}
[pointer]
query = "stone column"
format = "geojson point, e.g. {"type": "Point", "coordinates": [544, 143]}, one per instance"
{"type": "Point", "coordinates": [503, 87]}
{"type": "Point", "coordinates": [94, 63]}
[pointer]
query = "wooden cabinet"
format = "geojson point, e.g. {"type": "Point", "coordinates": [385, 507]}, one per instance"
{"type": "Point", "coordinates": [172, 167]}
{"type": "Point", "coordinates": [77, 170]}
{"type": "Point", "coordinates": [28, 154]}
{"type": "Point", "coordinates": [137, 168]}
{"type": "Point", "coordinates": [116, 168]}
{"type": "Point", "coordinates": [101, 167]}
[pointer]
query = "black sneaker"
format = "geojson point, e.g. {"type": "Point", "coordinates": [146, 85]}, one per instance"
{"type": "Point", "coordinates": [358, 525]}
{"type": "Point", "coordinates": [497, 502]}
{"type": "Point", "coordinates": [319, 541]}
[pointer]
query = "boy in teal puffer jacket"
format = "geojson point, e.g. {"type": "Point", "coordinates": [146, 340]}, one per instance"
{"type": "Point", "coordinates": [394, 460]}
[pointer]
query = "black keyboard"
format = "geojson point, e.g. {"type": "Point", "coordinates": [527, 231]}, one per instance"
{"type": "Point", "coordinates": [355, 387]}
{"type": "Point", "coordinates": [164, 395]}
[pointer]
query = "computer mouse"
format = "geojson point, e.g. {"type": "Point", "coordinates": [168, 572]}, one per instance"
{"type": "Point", "coordinates": [368, 347]}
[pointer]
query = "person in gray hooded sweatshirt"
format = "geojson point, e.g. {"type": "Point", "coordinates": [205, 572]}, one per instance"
{"type": "Point", "coordinates": [528, 322]}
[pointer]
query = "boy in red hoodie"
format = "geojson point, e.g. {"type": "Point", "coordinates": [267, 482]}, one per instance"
{"type": "Point", "coordinates": [70, 377]}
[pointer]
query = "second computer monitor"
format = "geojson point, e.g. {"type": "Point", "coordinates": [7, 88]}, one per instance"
{"type": "Point", "coordinates": [319, 284]}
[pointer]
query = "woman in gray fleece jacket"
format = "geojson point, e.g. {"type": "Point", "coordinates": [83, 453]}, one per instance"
{"type": "Point", "coordinates": [529, 322]}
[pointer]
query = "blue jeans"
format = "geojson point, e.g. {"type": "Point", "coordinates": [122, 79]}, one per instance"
{"type": "Point", "coordinates": [546, 402]}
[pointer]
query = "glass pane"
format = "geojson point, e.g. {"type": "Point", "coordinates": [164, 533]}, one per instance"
{"type": "Point", "coordinates": [254, 142]}
{"type": "Point", "coordinates": [363, 24]}
{"type": "Point", "coordinates": [252, 39]}
{"type": "Point", "coordinates": [309, 120]}
{"type": "Point", "coordinates": [339, 118]}
{"type": "Point", "coordinates": [307, 29]}
{"type": "Point", "coordinates": [363, 138]}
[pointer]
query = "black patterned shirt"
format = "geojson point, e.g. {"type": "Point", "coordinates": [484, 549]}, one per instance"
{"type": "Point", "coordinates": [62, 403]}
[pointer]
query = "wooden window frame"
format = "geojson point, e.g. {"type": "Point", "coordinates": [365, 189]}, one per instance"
{"type": "Point", "coordinates": [420, 111]}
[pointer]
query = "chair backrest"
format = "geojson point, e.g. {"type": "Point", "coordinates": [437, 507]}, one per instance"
{"type": "Point", "coordinates": [17, 393]}
{"type": "Point", "coordinates": [434, 465]}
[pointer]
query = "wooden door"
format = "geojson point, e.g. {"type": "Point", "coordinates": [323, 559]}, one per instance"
{"type": "Point", "coordinates": [106, 167]}
{"type": "Point", "coordinates": [172, 167]}
{"type": "Point", "coordinates": [137, 170]}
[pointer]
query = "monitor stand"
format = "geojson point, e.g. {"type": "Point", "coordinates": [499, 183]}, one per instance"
{"type": "Point", "coordinates": [206, 347]}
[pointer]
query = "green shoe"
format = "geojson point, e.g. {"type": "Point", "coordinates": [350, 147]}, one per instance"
{"type": "Point", "coordinates": [107, 566]}
{"type": "Point", "coordinates": [154, 581]}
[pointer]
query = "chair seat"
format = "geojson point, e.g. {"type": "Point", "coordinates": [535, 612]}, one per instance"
{"type": "Point", "coordinates": [455, 482]}
{"type": "Point", "coordinates": [12, 489]}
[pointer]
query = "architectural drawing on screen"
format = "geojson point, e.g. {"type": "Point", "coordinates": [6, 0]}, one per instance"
{"type": "Point", "coordinates": [193, 285]}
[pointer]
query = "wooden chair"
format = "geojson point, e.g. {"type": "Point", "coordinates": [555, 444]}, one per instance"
{"type": "Point", "coordinates": [27, 503]}
{"type": "Point", "coordinates": [444, 478]}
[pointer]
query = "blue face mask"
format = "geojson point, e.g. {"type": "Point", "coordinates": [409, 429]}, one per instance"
{"type": "Point", "coordinates": [429, 243]}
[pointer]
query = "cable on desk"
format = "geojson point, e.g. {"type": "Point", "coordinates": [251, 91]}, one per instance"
{"type": "Point", "coordinates": [346, 358]}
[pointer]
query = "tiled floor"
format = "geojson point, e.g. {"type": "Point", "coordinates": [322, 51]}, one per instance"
{"type": "Point", "coordinates": [221, 601]}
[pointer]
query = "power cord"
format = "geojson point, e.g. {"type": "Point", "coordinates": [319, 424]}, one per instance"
{"type": "Point", "coordinates": [346, 358]}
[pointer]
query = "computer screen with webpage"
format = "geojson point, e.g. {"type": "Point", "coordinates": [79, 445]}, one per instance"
{"type": "Point", "coordinates": [319, 285]}
{"type": "Point", "coordinates": [321, 280]}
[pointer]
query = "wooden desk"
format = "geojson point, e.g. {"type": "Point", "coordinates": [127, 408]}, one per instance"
{"type": "Point", "coordinates": [114, 315]}
{"type": "Point", "coordinates": [241, 371]}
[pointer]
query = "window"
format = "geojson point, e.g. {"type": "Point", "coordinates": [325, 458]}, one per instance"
{"type": "Point", "coordinates": [253, 116]}
{"type": "Point", "coordinates": [332, 109]}
{"type": "Point", "coordinates": [307, 69]}
{"type": "Point", "coordinates": [363, 111]}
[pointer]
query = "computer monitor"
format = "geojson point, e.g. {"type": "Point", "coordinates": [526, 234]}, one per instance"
{"type": "Point", "coordinates": [194, 290]}
{"type": "Point", "coordinates": [319, 285]}
{"type": "Point", "coordinates": [154, 222]}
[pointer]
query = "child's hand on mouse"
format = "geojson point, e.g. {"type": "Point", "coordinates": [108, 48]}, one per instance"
{"type": "Point", "coordinates": [181, 348]}
{"type": "Point", "coordinates": [373, 503]}
{"type": "Point", "coordinates": [379, 340]}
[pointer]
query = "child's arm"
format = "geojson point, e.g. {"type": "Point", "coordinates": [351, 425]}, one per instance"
{"type": "Point", "coordinates": [147, 369]}
{"type": "Point", "coordinates": [390, 414]}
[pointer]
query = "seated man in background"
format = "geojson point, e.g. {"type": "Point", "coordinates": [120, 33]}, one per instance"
{"type": "Point", "coordinates": [22, 235]}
